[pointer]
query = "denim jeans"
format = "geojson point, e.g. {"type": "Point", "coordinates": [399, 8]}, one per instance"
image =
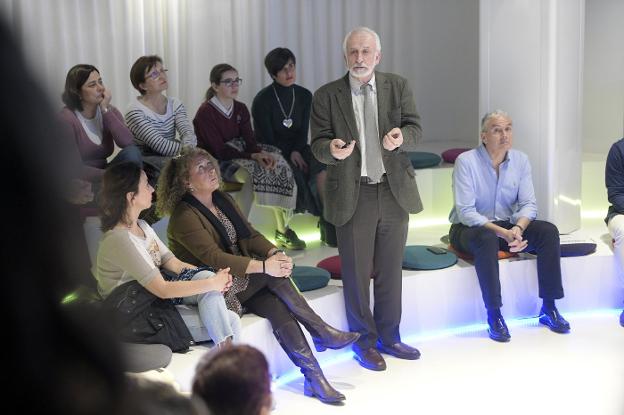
{"type": "Point", "coordinates": [220, 322]}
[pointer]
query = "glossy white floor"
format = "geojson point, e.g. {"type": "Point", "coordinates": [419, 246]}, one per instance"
{"type": "Point", "coordinates": [538, 372]}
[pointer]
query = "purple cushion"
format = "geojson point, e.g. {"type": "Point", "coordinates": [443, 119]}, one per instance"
{"type": "Point", "coordinates": [451, 154]}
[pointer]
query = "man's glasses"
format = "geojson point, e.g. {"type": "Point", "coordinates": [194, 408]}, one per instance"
{"type": "Point", "coordinates": [229, 82]}
{"type": "Point", "coordinates": [155, 74]}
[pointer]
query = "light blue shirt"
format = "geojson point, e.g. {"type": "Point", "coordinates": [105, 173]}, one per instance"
{"type": "Point", "coordinates": [482, 196]}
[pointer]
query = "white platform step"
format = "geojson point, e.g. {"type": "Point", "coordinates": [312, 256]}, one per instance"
{"type": "Point", "coordinates": [442, 299]}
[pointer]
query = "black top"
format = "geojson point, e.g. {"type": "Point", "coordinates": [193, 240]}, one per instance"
{"type": "Point", "coordinates": [268, 117]}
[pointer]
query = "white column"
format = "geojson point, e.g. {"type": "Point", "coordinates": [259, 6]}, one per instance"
{"type": "Point", "coordinates": [531, 65]}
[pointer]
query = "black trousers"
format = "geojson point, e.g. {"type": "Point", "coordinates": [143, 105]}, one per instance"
{"type": "Point", "coordinates": [306, 200]}
{"type": "Point", "coordinates": [371, 243]}
{"type": "Point", "coordinates": [259, 299]}
{"type": "Point", "coordinates": [483, 245]}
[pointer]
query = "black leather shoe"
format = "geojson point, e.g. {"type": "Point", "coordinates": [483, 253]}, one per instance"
{"type": "Point", "coordinates": [399, 350]}
{"type": "Point", "coordinates": [369, 358]}
{"type": "Point", "coordinates": [289, 240]}
{"type": "Point", "coordinates": [622, 319]}
{"type": "Point", "coordinates": [498, 330]}
{"type": "Point", "coordinates": [554, 320]}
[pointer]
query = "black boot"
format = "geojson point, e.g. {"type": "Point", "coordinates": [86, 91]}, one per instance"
{"type": "Point", "coordinates": [323, 335]}
{"type": "Point", "coordinates": [292, 340]}
{"type": "Point", "coordinates": [328, 233]}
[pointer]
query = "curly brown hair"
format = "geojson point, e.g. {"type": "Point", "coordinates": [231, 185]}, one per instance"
{"type": "Point", "coordinates": [173, 182]}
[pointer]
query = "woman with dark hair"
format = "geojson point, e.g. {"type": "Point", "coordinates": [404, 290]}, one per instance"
{"type": "Point", "coordinates": [95, 125]}
{"type": "Point", "coordinates": [223, 128]}
{"type": "Point", "coordinates": [131, 251]}
{"type": "Point", "coordinates": [207, 228]}
{"type": "Point", "coordinates": [228, 390]}
{"type": "Point", "coordinates": [281, 117]}
{"type": "Point", "coordinates": [155, 118]}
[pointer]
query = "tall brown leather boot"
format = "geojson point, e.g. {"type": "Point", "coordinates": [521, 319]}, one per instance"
{"type": "Point", "coordinates": [292, 340]}
{"type": "Point", "coordinates": [323, 335]}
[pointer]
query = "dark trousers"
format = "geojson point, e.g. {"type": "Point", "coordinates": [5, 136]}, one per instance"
{"type": "Point", "coordinates": [371, 243]}
{"type": "Point", "coordinates": [483, 245]}
{"type": "Point", "coordinates": [259, 299]}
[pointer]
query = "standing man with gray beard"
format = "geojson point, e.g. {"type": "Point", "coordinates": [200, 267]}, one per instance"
{"type": "Point", "coordinates": [362, 125]}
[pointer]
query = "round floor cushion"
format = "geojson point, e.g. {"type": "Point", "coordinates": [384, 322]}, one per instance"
{"type": "Point", "coordinates": [422, 160]}
{"type": "Point", "coordinates": [422, 257]}
{"type": "Point", "coordinates": [332, 265]}
{"type": "Point", "coordinates": [309, 278]}
{"type": "Point", "coordinates": [451, 154]}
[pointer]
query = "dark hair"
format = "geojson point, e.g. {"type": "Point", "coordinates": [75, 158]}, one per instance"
{"type": "Point", "coordinates": [140, 69]}
{"type": "Point", "coordinates": [278, 58]}
{"type": "Point", "coordinates": [215, 77]}
{"type": "Point", "coordinates": [233, 380]}
{"type": "Point", "coordinates": [118, 180]}
{"type": "Point", "coordinates": [76, 78]}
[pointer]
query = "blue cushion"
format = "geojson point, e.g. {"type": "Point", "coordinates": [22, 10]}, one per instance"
{"type": "Point", "coordinates": [419, 257]}
{"type": "Point", "coordinates": [309, 278]}
{"type": "Point", "coordinates": [578, 249]}
{"type": "Point", "coordinates": [422, 160]}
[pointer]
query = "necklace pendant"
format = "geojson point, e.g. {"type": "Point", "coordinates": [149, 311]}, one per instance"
{"type": "Point", "coordinates": [287, 122]}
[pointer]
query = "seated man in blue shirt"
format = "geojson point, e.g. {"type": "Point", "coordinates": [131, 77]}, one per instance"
{"type": "Point", "coordinates": [495, 209]}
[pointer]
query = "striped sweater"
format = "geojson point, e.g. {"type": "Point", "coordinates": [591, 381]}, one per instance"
{"type": "Point", "coordinates": [155, 133]}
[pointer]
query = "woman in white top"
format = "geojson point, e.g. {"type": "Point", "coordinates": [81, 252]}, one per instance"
{"type": "Point", "coordinates": [154, 118]}
{"type": "Point", "coordinates": [130, 250]}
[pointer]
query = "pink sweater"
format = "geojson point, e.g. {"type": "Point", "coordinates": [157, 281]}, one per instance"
{"type": "Point", "coordinates": [94, 156]}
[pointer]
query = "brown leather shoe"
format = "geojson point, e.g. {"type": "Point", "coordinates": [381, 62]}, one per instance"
{"type": "Point", "coordinates": [369, 358]}
{"type": "Point", "coordinates": [399, 350]}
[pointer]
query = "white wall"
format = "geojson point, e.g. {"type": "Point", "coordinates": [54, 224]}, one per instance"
{"type": "Point", "coordinates": [432, 43]}
{"type": "Point", "coordinates": [531, 66]}
{"type": "Point", "coordinates": [603, 116]}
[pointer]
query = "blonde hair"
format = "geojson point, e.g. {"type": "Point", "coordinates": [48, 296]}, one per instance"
{"type": "Point", "coordinates": [173, 182]}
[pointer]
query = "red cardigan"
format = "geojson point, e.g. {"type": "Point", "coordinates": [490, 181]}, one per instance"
{"type": "Point", "coordinates": [94, 156]}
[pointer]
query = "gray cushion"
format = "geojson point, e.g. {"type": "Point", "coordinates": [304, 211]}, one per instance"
{"type": "Point", "coordinates": [144, 357]}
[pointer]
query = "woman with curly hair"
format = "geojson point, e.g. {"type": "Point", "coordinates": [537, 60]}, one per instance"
{"type": "Point", "coordinates": [131, 251]}
{"type": "Point", "coordinates": [207, 228]}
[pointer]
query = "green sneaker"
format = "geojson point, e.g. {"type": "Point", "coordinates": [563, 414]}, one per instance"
{"type": "Point", "coordinates": [289, 240]}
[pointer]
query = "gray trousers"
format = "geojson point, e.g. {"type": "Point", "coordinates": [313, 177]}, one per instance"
{"type": "Point", "coordinates": [371, 243]}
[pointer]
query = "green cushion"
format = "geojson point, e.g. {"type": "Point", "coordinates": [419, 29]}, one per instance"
{"type": "Point", "coordinates": [309, 278]}
{"type": "Point", "coordinates": [419, 257]}
{"type": "Point", "coordinates": [422, 160]}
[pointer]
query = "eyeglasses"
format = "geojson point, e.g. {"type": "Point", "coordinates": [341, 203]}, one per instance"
{"type": "Point", "coordinates": [229, 82]}
{"type": "Point", "coordinates": [155, 74]}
